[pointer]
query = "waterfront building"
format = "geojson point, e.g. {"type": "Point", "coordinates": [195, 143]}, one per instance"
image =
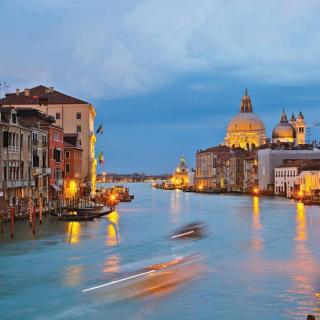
{"type": "Point", "coordinates": [235, 170]}
{"type": "Point", "coordinates": [269, 159]}
{"type": "Point", "coordinates": [180, 177]}
{"type": "Point", "coordinates": [73, 163]}
{"type": "Point", "coordinates": [210, 167]}
{"type": "Point", "coordinates": [72, 114]}
{"type": "Point", "coordinates": [17, 180]}
{"type": "Point", "coordinates": [55, 148]}
{"type": "Point", "coordinates": [309, 181]}
{"type": "Point", "coordinates": [250, 178]}
{"type": "Point", "coordinates": [246, 130]}
{"type": "Point", "coordinates": [295, 175]}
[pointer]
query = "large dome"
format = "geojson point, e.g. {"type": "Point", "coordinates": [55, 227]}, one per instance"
{"type": "Point", "coordinates": [245, 121]}
{"type": "Point", "coordinates": [245, 130]}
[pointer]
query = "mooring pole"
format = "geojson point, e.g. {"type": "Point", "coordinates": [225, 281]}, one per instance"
{"type": "Point", "coordinates": [40, 210]}
{"type": "Point", "coordinates": [12, 222]}
{"type": "Point", "coordinates": [34, 220]}
{"type": "Point", "coordinates": [30, 211]}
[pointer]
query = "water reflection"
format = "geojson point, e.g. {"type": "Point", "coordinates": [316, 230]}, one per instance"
{"type": "Point", "coordinates": [73, 275]}
{"type": "Point", "coordinates": [305, 275]}
{"type": "Point", "coordinates": [175, 206]}
{"type": "Point", "coordinates": [256, 243]}
{"type": "Point", "coordinates": [73, 232]}
{"type": "Point", "coordinates": [113, 236]}
{"type": "Point", "coordinates": [112, 264]}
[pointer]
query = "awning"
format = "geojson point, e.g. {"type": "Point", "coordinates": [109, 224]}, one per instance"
{"type": "Point", "coordinates": [56, 187]}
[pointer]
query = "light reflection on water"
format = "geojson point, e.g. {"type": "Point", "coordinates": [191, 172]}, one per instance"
{"type": "Point", "coordinates": [265, 255]}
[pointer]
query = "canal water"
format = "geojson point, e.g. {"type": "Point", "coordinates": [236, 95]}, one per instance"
{"type": "Point", "coordinates": [262, 260]}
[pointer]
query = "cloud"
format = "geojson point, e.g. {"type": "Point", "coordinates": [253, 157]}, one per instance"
{"type": "Point", "coordinates": [111, 49]}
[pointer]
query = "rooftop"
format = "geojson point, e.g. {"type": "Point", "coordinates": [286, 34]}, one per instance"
{"type": "Point", "coordinates": [39, 95]}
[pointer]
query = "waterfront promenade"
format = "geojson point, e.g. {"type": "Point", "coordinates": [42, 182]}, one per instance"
{"type": "Point", "coordinates": [262, 257]}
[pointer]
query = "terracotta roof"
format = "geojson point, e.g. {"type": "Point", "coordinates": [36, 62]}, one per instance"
{"type": "Point", "coordinates": [40, 95]}
{"type": "Point", "coordinates": [220, 148]}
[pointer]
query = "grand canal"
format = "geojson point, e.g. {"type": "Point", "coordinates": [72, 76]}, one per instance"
{"type": "Point", "coordinates": [262, 259]}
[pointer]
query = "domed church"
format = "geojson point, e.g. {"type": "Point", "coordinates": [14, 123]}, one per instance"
{"type": "Point", "coordinates": [290, 132]}
{"type": "Point", "coordinates": [246, 129]}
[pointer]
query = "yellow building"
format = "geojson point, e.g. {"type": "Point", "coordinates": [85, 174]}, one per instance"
{"type": "Point", "coordinates": [246, 129]}
{"type": "Point", "coordinates": [309, 181]}
{"type": "Point", "coordinates": [181, 175]}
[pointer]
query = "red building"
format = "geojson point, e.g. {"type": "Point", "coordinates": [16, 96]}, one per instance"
{"type": "Point", "coordinates": [55, 149]}
{"type": "Point", "coordinates": [73, 166]}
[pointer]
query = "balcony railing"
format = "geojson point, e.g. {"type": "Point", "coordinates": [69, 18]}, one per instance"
{"type": "Point", "coordinates": [18, 183]}
{"type": "Point", "coordinates": [35, 142]}
{"type": "Point", "coordinates": [12, 149]}
{"type": "Point", "coordinates": [46, 171]}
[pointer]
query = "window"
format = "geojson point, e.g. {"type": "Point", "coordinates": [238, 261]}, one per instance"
{"type": "Point", "coordinates": [58, 116]}
{"type": "Point", "coordinates": [67, 168]}
{"type": "Point", "coordinates": [5, 139]}
{"type": "Point", "coordinates": [35, 158]}
{"type": "Point", "coordinates": [44, 158]}
{"type": "Point", "coordinates": [78, 128]}
{"type": "Point", "coordinates": [21, 140]}
{"type": "Point", "coordinates": [44, 140]}
{"type": "Point", "coordinates": [67, 154]}
{"type": "Point", "coordinates": [14, 118]}
{"type": "Point", "coordinates": [57, 155]}
{"type": "Point", "coordinates": [78, 116]}
{"type": "Point", "coordinates": [21, 169]}
{"type": "Point", "coordinates": [34, 137]}
{"type": "Point", "coordinates": [4, 171]}
{"type": "Point", "coordinates": [56, 136]}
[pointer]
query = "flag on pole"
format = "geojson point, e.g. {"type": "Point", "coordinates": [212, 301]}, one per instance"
{"type": "Point", "coordinates": [101, 158]}
{"type": "Point", "coordinates": [100, 129]}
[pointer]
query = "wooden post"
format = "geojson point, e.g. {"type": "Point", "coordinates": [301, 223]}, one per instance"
{"type": "Point", "coordinates": [40, 210]}
{"type": "Point", "coordinates": [34, 220]}
{"type": "Point", "coordinates": [12, 222]}
{"type": "Point", "coordinates": [30, 211]}
{"type": "Point", "coordinates": [2, 222]}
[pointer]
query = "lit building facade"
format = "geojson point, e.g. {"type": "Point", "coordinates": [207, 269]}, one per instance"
{"type": "Point", "coordinates": [246, 130]}
{"type": "Point", "coordinates": [72, 114]}
{"type": "Point", "coordinates": [73, 163]}
{"type": "Point", "coordinates": [180, 177]}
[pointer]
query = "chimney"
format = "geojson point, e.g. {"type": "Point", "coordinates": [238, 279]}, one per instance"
{"type": "Point", "coordinates": [51, 89]}
{"type": "Point", "coordinates": [26, 92]}
{"type": "Point", "coordinates": [17, 92]}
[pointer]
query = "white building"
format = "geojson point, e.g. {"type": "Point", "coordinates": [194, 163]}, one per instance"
{"type": "Point", "coordinates": [269, 159]}
{"type": "Point", "coordinates": [285, 178]}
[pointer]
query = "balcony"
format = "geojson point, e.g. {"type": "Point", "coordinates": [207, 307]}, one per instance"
{"type": "Point", "coordinates": [46, 171]}
{"type": "Point", "coordinates": [35, 142]}
{"type": "Point", "coordinates": [18, 183]}
{"type": "Point", "coordinates": [36, 171]}
{"type": "Point", "coordinates": [12, 149]}
{"type": "Point", "coordinates": [44, 143]}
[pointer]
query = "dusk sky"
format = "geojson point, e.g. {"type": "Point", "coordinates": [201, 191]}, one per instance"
{"type": "Point", "coordinates": [166, 76]}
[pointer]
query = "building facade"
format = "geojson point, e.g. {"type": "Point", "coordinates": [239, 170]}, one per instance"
{"type": "Point", "coordinates": [17, 180]}
{"type": "Point", "coordinates": [72, 170]}
{"type": "Point", "coordinates": [271, 158]}
{"type": "Point", "coordinates": [72, 114]}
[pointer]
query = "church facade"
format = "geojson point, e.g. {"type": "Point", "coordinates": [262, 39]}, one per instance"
{"type": "Point", "coordinates": [246, 130]}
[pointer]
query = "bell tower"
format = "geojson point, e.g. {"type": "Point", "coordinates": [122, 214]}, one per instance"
{"type": "Point", "coordinates": [300, 129]}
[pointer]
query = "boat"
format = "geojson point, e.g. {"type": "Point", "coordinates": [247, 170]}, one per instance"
{"type": "Point", "coordinates": [193, 231]}
{"type": "Point", "coordinates": [311, 202]}
{"type": "Point", "coordinates": [74, 216]}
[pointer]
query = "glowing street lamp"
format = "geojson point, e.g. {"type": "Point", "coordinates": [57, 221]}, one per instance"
{"type": "Point", "coordinates": [256, 191]}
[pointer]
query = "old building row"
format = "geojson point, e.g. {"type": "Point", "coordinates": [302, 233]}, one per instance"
{"type": "Point", "coordinates": [47, 147]}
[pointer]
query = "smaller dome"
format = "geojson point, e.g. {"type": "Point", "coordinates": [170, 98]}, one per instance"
{"type": "Point", "coordinates": [284, 131]}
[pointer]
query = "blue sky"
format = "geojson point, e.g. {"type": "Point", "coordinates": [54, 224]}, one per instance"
{"type": "Point", "coordinates": [166, 76]}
